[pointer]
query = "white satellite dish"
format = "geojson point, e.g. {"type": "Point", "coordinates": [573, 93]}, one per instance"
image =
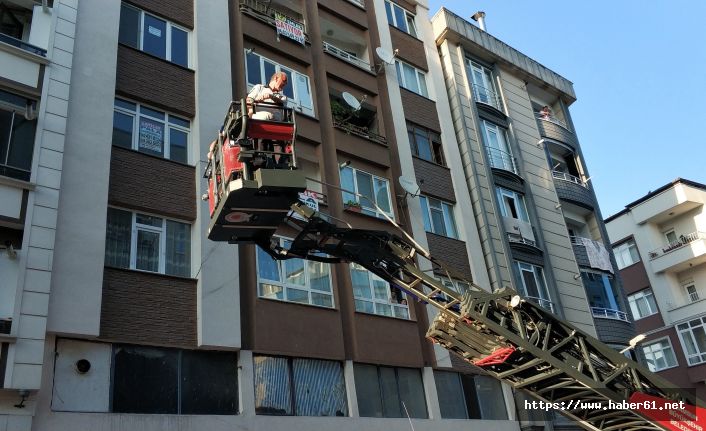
{"type": "Point", "coordinates": [351, 100]}
{"type": "Point", "coordinates": [409, 185]}
{"type": "Point", "coordinates": [385, 55]}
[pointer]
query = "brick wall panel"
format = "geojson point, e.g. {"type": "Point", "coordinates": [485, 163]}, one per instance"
{"type": "Point", "coordinates": [411, 49]}
{"type": "Point", "coordinates": [452, 253]}
{"type": "Point", "coordinates": [178, 11]}
{"type": "Point", "coordinates": [151, 184]}
{"type": "Point", "coordinates": [436, 180]}
{"type": "Point", "coordinates": [420, 110]}
{"type": "Point", "coordinates": [145, 308]}
{"type": "Point", "coordinates": [155, 82]}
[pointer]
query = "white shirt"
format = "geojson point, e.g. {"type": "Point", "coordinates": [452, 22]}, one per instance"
{"type": "Point", "coordinates": [263, 93]}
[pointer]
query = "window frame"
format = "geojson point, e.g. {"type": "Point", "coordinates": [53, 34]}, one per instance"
{"type": "Point", "coordinates": [377, 302]}
{"type": "Point", "coordinates": [167, 38]}
{"type": "Point", "coordinates": [623, 250]}
{"type": "Point", "coordinates": [357, 197]}
{"type": "Point", "coordinates": [162, 232]}
{"type": "Point", "coordinates": [7, 169]}
{"type": "Point", "coordinates": [399, 392]}
{"type": "Point", "coordinates": [287, 286]}
{"type": "Point", "coordinates": [669, 346]}
{"type": "Point", "coordinates": [520, 205]}
{"type": "Point", "coordinates": [436, 149]}
{"type": "Point", "coordinates": [503, 146]}
{"type": "Point", "coordinates": [409, 18]}
{"type": "Point", "coordinates": [292, 102]}
{"type": "Point", "coordinates": [699, 356]}
{"type": "Point", "coordinates": [643, 294]}
{"type": "Point", "coordinates": [402, 79]}
{"type": "Point", "coordinates": [488, 83]}
{"type": "Point", "coordinates": [166, 122]}
{"type": "Point", "coordinates": [447, 214]}
{"type": "Point", "coordinates": [692, 296]}
{"type": "Point", "coordinates": [540, 281]}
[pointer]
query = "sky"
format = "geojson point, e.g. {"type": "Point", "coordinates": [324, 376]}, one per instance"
{"type": "Point", "coordinates": [639, 73]}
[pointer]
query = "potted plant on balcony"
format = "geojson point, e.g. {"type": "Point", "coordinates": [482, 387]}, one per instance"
{"type": "Point", "coordinates": [352, 205]}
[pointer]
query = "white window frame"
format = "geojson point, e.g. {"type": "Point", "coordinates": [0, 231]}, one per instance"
{"type": "Point", "coordinates": [377, 302]}
{"type": "Point", "coordinates": [286, 286]}
{"type": "Point", "coordinates": [692, 294]}
{"type": "Point", "coordinates": [420, 75]}
{"type": "Point", "coordinates": [699, 357]}
{"type": "Point", "coordinates": [519, 200]}
{"type": "Point", "coordinates": [447, 213]}
{"type": "Point", "coordinates": [544, 299]}
{"type": "Point", "coordinates": [161, 230]}
{"type": "Point", "coordinates": [653, 366]}
{"type": "Point", "coordinates": [296, 102]}
{"type": "Point", "coordinates": [365, 205]}
{"type": "Point", "coordinates": [488, 83]}
{"type": "Point", "coordinates": [501, 138]}
{"type": "Point", "coordinates": [642, 295]}
{"type": "Point", "coordinates": [137, 114]}
{"type": "Point", "coordinates": [623, 255]}
{"type": "Point", "coordinates": [409, 18]}
{"type": "Point", "coordinates": [168, 39]}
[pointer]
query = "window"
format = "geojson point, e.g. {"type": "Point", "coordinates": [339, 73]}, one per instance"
{"type": "Point", "coordinates": [426, 144]}
{"type": "Point", "coordinates": [626, 254]}
{"type": "Point", "coordinates": [691, 293]}
{"type": "Point", "coordinates": [294, 280]}
{"type": "Point", "coordinates": [693, 338]}
{"type": "Point", "coordinates": [150, 131]}
{"type": "Point", "coordinates": [458, 286]}
{"type": "Point", "coordinates": [374, 295]}
{"type": "Point", "coordinates": [400, 18]}
{"type": "Point", "coordinates": [601, 293]}
{"type": "Point", "coordinates": [483, 85]}
{"type": "Point", "coordinates": [411, 78]}
{"type": "Point", "coordinates": [463, 396]}
{"type": "Point", "coordinates": [373, 190]}
{"type": "Point", "coordinates": [148, 243]}
{"type": "Point", "coordinates": [642, 304]}
{"type": "Point", "coordinates": [170, 381]}
{"type": "Point", "coordinates": [299, 387]}
{"type": "Point", "coordinates": [531, 283]}
{"type": "Point", "coordinates": [512, 204]}
{"type": "Point", "coordinates": [438, 217]}
{"type": "Point", "coordinates": [496, 147]}
{"type": "Point", "coordinates": [153, 35]}
{"type": "Point", "coordinates": [16, 137]}
{"type": "Point", "coordinates": [387, 392]}
{"type": "Point", "coordinates": [259, 70]}
{"type": "Point", "coordinates": [671, 236]}
{"type": "Point", "coordinates": [659, 355]}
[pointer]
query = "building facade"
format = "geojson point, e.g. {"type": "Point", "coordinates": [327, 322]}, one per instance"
{"type": "Point", "coordinates": [659, 242]}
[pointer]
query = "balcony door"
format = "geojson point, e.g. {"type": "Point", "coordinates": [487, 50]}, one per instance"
{"type": "Point", "coordinates": [496, 144]}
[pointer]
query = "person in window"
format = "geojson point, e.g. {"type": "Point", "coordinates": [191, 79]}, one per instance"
{"type": "Point", "coordinates": [272, 101]}
{"type": "Point", "coordinates": [545, 113]}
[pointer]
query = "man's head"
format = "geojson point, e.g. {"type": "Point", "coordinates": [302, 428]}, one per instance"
{"type": "Point", "coordinates": [278, 81]}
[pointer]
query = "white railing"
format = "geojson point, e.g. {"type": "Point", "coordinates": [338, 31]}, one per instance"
{"type": "Point", "coordinates": [544, 303]}
{"type": "Point", "coordinates": [487, 96]}
{"type": "Point", "coordinates": [681, 242]}
{"type": "Point", "coordinates": [552, 119]}
{"type": "Point", "coordinates": [570, 178]}
{"type": "Point", "coordinates": [331, 49]}
{"type": "Point", "coordinates": [360, 3]}
{"type": "Point", "coordinates": [608, 313]}
{"type": "Point", "coordinates": [501, 160]}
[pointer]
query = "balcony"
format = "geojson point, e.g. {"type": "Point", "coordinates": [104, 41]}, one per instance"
{"type": "Point", "coordinates": [607, 313]}
{"type": "Point", "coordinates": [17, 142]}
{"type": "Point", "coordinates": [22, 45]}
{"type": "Point", "coordinates": [679, 255]}
{"type": "Point", "coordinates": [345, 56]}
{"type": "Point", "coordinates": [500, 159]}
{"type": "Point", "coordinates": [556, 130]}
{"type": "Point", "coordinates": [359, 131]}
{"type": "Point", "coordinates": [9, 268]}
{"type": "Point", "coordinates": [25, 26]}
{"type": "Point", "coordinates": [573, 189]}
{"type": "Point", "coordinates": [667, 203]}
{"type": "Point", "coordinates": [265, 12]}
{"type": "Point", "coordinates": [598, 258]}
{"type": "Point", "coordinates": [544, 303]}
{"type": "Point", "coordinates": [487, 96]}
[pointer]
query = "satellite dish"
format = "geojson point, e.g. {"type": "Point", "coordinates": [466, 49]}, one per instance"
{"type": "Point", "coordinates": [410, 186]}
{"type": "Point", "coordinates": [351, 100]}
{"type": "Point", "coordinates": [385, 55]}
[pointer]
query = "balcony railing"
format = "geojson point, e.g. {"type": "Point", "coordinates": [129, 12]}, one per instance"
{"type": "Point", "coordinates": [607, 313]}
{"type": "Point", "coordinates": [552, 119]}
{"type": "Point", "coordinates": [262, 11]}
{"type": "Point", "coordinates": [513, 237]}
{"type": "Point", "coordinates": [681, 242]}
{"type": "Point", "coordinates": [331, 49]}
{"type": "Point", "coordinates": [487, 96]}
{"type": "Point", "coordinates": [544, 303]}
{"type": "Point", "coordinates": [22, 45]}
{"type": "Point", "coordinates": [570, 178]}
{"type": "Point", "coordinates": [360, 3]}
{"type": "Point", "coordinates": [501, 160]}
{"type": "Point", "coordinates": [363, 132]}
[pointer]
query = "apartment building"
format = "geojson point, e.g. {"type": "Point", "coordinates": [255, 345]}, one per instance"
{"type": "Point", "coordinates": [538, 221]}
{"type": "Point", "coordinates": [36, 58]}
{"type": "Point", "coordinates": [659, 242]}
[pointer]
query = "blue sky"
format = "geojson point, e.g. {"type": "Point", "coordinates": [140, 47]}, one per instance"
{"type": "Point", "coordinates": [639, 72]}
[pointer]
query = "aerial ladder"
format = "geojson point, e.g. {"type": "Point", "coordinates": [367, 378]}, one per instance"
{"type": "Point", "coordinates": [510, 338]}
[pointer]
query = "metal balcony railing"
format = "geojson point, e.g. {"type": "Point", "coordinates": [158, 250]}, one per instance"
{"type": "Point", "coordinates": [487, 96]}
{"type": "Point", "coordinates": [552, 119]}
{"type": "Point", "coordinates": [262, 11]}
{"type": "Point", "coordinates": [570, 178]}
{"type": "Point", "coordinates": [501, 160]}
{"type": "Point", "coordinates": [360, 3]}
{"type": "Point", "coordinates": [331, 49]}
{"type": "Point", "coordinates": [22, 45]}
{"type": "Point", "coordinates": [544, 303]}
{"type": "Point", "coordinates": [513, 237]}
{"type": "Point", "coordinates": [363, 132]}
{"type": "Point", "coordinates": [608, 313]}
{"type": "Point", "coordinates": [681, 242]}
